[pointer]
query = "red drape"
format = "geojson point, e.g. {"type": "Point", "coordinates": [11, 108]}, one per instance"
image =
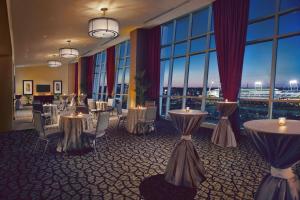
{"type": "Point", "coordinates": [110, 69]}
{"type": "Point", "coordinates": [153, 62]}
{"type": "Point", "coordinates": [76, 79]}
{"type": "Point", "coordinates": [89, 75]}
{"type": "Point", "coordinates": [230, 23]}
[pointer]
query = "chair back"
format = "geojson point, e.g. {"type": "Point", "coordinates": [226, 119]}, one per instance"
{"type": "Point", "coordinates": [150, 114]}
{"type": "Point", "coordinates": [110, 102]}
{"type": "Point", "coordinates": [102, 122]}
{"type": "Point", "coordinates": [91, 103]}
{"type": "Point", "coordinates": [38, 123]}
{"type": "Point", "coordinates": [149, 103]}
{"type": "Point", "coordinates": [82, 109]}
{"type": "Point", "coordinates": [119, 108]}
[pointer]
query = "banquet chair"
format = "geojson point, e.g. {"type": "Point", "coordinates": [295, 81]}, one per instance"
{"type": "Point", "coordinates": [121, 117]}
{"type": "Point", "coordinates": [148, 121]}
{"type": "Point", "coordinates": [46, 114]}
{"type": "Point", "coordinates": [82, 109]}
{"type": "Point", "coordinates": [100, 130]}
{"type": "Point", "coordinates": [149, 103]}
{"type": "Point", "coordinates": [45, 132]}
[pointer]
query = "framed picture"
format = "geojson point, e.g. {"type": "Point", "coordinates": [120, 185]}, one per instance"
{"type": "Point", "coordinates": [57, 87]}
{"type": "Point", "coordinates": [27, 87]}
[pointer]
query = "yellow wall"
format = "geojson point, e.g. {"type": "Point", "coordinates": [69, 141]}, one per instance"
{"type": "Point", "coordinates": [6, 71]}
{"type": "Point", "coordinates": [43, 75]}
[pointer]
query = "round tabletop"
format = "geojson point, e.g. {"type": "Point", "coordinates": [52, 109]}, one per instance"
{"type": "Point", "coordinates": [271, 126]}
{"type": "Point", "coordinates": [190, 112]}
{"type": "Point", "coordinates": [226, 102]}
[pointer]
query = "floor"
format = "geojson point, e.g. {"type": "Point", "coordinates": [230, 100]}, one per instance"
{"type": "Point", "coordinates": [232, 173]}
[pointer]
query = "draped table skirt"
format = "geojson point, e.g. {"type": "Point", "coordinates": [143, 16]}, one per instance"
{"type": "Point", "coordinates": [185, 167]}
{"type": "Point", "coordinates": [223, 135]}
{"type": "Point", "coordinates": [280, 146]}
{"type": "Point", "coordinates": [73, 126]}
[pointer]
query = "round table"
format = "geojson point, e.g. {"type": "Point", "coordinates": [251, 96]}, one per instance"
{"type": "Point", "coordinates": [72, 126]}
{"type": "Point", "coordinates": [185, 167]}
{"type": "Point", "coordinates": [101, 105]}
{"type": "Point", "coordinates": [51, 108]}
{"type": "Point", "coordinates": [223, 135]}
{"type": "Point", "coordinates": [280, 146]}
{"type": "Point", "coordinates": [133, 115]}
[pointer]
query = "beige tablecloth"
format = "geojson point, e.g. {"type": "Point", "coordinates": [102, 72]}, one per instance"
{"type": "Point", "coordinates": [101, 105]}
{"type": "Point", "coordinates": [133, 115]}
{"type": "Point", "coordinates": [223, 135]}
{"type": "Point", "coordinates": [72, 126]}
{"type": "Point", "coordinates": [280, 146]}
{"type": "Point", "coordinates": [185, 167]}
{"type": "Point", "coordinates": [52, 108]}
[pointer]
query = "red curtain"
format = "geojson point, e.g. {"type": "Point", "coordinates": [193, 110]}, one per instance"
{"type": "Point", "coordinates": [89, 75]}
{"type": "Point", "coordinates": [153, 62]}
{"type": "Point", "coordinates": [76, 79]}
{"type": "Point", "coordinates": [110, 69]}
{"type": "Point", "coordinates": [230, 23]}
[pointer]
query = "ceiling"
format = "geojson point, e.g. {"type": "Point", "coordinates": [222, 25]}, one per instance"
{"type": "Point", "coordinates": [40, 27]}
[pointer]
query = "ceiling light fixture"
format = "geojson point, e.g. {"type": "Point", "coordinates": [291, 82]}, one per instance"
{"type": "Point", "coordinates": [103, 27]}
{"type": "Point", "coordinates": [54, 63]}
{"type": "Point", "coordinates": [68, 52]}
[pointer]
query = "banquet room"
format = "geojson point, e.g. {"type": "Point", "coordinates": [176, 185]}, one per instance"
{"type": "Point", "coordinates": [150, 100]}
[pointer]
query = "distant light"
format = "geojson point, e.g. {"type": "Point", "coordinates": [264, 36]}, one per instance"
{"type": "Point", "coordinates": [293, 82]}
{"type": "Point", "coordinates": [258, 83]}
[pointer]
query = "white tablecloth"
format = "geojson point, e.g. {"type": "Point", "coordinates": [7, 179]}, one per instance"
{"type": "Point", "coordinates": [185, 167]}
{"type": "Point", "coordinates": [280, 146]}
{"type": "Point", "coordinates": [72, 126]}
{"type": "Point", "coordinates": [134, 114]}
{"type": "Point", "coordinates": [101, 105]}
{"type": "Point", "coordinates": [223, 134]}
{"type": "Point", "coordinates": [52, 108]}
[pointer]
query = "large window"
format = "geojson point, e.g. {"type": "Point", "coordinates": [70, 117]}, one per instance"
{"type": "Point", "coordinates": [187, 47]}
{"type": "Point", "coordinates": [271, 70]}
{"type": "Point", "coordinates": [99, 86]}
{"type": "Point", "coordinates": [122, 72]}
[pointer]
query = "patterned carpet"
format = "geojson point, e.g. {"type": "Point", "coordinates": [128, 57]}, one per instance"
{"type": "Point", "coordinates": [119, 170]}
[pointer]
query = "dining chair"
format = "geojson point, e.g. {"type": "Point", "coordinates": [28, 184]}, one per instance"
{"type": "Point", "coordinates": [45, 132]}
{"type": "Point", "coordinates": [148, 121]}
{"type": "Point", "coordinates": [121, 117]}
{"type": "Point", "coordinates": [100, 130]}
{"type": "Point", "coordinates": [46, 113]}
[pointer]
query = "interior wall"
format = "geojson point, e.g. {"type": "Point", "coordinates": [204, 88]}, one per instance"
{"type": "Point", "coordinates": [6, 71]}
{"type": "Point", "coordinates": [71, 77]}
{"type": "Point", "coordinates": [42, 75]}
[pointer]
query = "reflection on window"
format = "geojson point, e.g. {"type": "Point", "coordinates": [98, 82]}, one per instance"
{"type": "Point", "coordinates": [178, 77]}
{"type": "Point", "coordinates": [99, 92]}
{"type": "Point", "coordinates": [175, 103]}
{"type": "Point", "coordinates": [213, 114]}
{"type": "Point", "coordinates": [164, 76]}
{"type": "Point", "coordinates": [289, 23]}
{"type": "Point", "coordinates": [257, 71]}
{"type": "Point", "coordinates": [261, 8]}
{"type": "Point", "coordinates": [286, 109]}
{"type": "Point", "coordinates": [166, 33]}
{"type": "Point", "coordinates": [250, 110]}
{"type": "Point", "coordinates": [198, 44]}
{"type": "Point", "coordinates": [182, 29]}
{"type": "Point", "coordinates": [288, 4]}
{"type": "Point", "coordinates": [288, 69]}
{"type": "Point", "coordinates": [180, 49]}
{"type": "Point", "coordinates": [199, 22]}
{"type": "Point", "coordinates": [196, 75]}
{"type": "Point", "coordinates": [193, 103]}
{"type": "Point", "coordinates": [263, 29]}
{"type": "Point", "coordinates": [213, 81]}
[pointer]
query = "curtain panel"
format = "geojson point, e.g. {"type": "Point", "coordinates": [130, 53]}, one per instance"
{"type": "Point", "coordinates": [110, 70]}
{"type": "Point", "coordinates": [230, 24]}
